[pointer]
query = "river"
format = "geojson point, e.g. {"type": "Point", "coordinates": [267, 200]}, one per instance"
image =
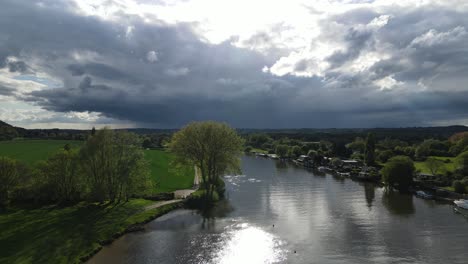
{"type": "Point", "coordinates": [317, 218]}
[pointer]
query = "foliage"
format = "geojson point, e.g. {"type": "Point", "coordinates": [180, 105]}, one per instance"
{"type": "Point", "coordinates": [295, 152]}
{"type": "Point", "coordinates": [458, 186]}
{"type": "Point", "coordinates": [9, 177]}
{"type": "Point", "coordinates": [369, 154]}
{"type": "Point", "coordinates": [398, 172]}
{"type": "Point", "coordinates": [336, 162]}
{"type": "Point", "coordinates": [59, 179]}
{"type": "Point", "coordinates": [282, 150]}
{"type": "Point", "coordinates": [258, 140]}
{"type": "Point", "coordinates": [462, 162]}
{"type": "Point", "coordinates": [384, 156]}
{"type": "Point", "coordinates": [434, 165]}
{"type": "Point", "coordinates": [358, 145]}
{"type": "Point", "coordinates": [114, 165]}
{"type": "Point", "coordinates": [215, 148]}
{"type": "Point", "coordinates": [432, 147]}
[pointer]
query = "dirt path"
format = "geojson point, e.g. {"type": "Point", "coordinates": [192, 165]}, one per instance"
{"type": "Point", "coordinates": [161, 203]}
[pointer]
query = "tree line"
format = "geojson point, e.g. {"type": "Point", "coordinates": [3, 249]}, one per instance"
{"type": "Point", "coordinates": [110, 166]}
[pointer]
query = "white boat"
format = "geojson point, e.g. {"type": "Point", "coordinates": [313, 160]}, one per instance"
{"type": "Point", "coordinates": [463, 204]}
{"type": "Point", "coordinates": [322, 169]}
{"type": "Point", "coordinates": [424, 195]}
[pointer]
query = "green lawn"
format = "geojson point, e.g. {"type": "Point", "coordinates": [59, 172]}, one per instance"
{"type": "Point", "coordinates": [422, 166]}
{"type": "Point", "coordinates": [167, 176]}
{"type": "Point", "coordinates": [31, 151]}
{"type": "Point", "coordinates": [64, 235]}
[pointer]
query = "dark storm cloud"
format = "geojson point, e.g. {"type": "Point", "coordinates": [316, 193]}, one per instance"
{"type": "Point", "coordinates": [6, 91]}
{"type": "Point", "coordinates": [155, 74]}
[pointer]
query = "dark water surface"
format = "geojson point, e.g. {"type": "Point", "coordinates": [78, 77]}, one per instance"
{"type": "Point", "coordinates": [323, 219]}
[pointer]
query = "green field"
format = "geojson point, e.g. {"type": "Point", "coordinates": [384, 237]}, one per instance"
{"type": "Point", "coordinates": [64, 235]}
{"type": "Point", "coordinates": [31, 151]}
{"type": "Point", "coordinates": [167, 176]}
{"type": "Point", "coordinates": [422, 166]}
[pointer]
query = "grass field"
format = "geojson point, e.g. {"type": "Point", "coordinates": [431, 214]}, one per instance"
{"type": "Point", "coordinates": [31, 151]}
{"type": "Point", "coordinates": [167, 177]}
{"type": "Point", "coordinates": [422, 166]}
{"type": "Point", "coordinates": [64, 235]}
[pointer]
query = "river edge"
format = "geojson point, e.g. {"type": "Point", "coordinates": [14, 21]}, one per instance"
{"type": "Point", "coordinates": [134, 227]}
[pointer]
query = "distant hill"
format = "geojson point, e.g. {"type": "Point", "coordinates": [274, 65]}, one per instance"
{"type": "Point", "coordinates": [409, 134]}
{"type": "Point", "coordinates": [8, 131]}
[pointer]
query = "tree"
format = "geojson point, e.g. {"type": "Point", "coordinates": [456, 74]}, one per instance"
{"type": "Point", "coordinates": [385, 155]}
{"type": "Point", "coordinates": [312, 154]}
{"type": "Point", "coordinates": [398, 172]}
{"type": "Point", "coordinates": [458, 187]}
{"type": "Point", "coordinates": [295, 151]}
{"type": "Point", "coordinates": [282, 150]}
{"type": "Point", "coordinates": [431, 147]}
{"type": "Point", "coordinates": [8, 179]}
{"type": "Point", "coordinates": [59, 177]}
{"type": "Point", "coordinates": [434, 165]}
{"type": "Point", "coordinates": [214, 148]}
{"type": "Point", "coordinates": [462, 162]}
{"type": "Point", "coordinates": [114, 165]}
{"type": "Point", "coordinates": [357, 146]}
{"type": "Point", "coordinates": [369, 154]}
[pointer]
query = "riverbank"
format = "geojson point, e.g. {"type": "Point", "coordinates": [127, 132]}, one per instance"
{"type": "Point", "coordinates": [71, 234]}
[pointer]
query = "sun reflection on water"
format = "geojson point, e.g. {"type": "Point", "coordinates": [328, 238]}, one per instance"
{"type": "Point", "coordinates": [245, 244]}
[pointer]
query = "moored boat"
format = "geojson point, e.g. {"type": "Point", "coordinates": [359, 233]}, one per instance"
{"type": "Point", "coordinates": [424, 195]}
{"type": "Point", "coordinates": [461, 206]}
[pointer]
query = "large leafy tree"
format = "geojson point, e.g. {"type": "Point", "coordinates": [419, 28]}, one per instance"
{"type": "Point", "coordinates": [214, 148]}
{"type": "Point", "coordinates": [114, 165]}
{"type": "Point", "coordinates": [398, 172]}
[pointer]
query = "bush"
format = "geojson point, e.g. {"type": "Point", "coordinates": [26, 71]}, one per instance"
{"type": "Point", "coordinates": [198, 199]}
{"type": "Point", "coordinates": [248, 149]}
{"type": "Point", "coordinates": [458, 186]}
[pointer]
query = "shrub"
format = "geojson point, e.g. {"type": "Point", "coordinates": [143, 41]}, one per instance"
{"type": "Point", "coordinates": [458, 187]}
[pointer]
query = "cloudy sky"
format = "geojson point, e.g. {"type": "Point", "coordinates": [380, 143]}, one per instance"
{"type": "Point", "coordinates": [251, 63]}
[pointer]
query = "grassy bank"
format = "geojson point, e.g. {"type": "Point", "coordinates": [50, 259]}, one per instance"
{"type": "Point", "coordinates": [64, 235]}
{"type": "Point", "coordinates": [167, 176]}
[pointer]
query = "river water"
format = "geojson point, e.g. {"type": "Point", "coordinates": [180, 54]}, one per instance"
{"type": "Point", "coordinates": [317, 218]}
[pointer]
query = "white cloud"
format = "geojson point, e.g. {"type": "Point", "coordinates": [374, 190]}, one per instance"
{"type": "Point", "coordinates": [388, 83]}
{"type": "Point", "coordinates": [152, 56]}
{"type": "Point", "coordinates": [433, 37]}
